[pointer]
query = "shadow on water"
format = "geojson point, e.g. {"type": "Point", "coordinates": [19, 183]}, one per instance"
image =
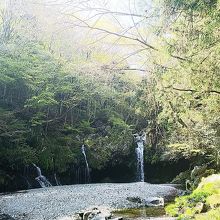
{"type": "Point", "coordinates": [142, 212]}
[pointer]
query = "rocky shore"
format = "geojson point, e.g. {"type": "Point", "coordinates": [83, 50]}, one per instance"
{"type": "Point", "coordinates": [64, 201]}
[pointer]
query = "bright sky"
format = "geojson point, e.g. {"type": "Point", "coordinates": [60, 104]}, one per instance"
{"type": "Point", "coordinates": [52, 16]}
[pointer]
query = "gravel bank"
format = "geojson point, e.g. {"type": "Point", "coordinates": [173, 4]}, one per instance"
{"type": "Point", "coordinates": [58, 202]}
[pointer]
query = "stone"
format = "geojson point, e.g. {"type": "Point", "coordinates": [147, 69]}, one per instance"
{"type": "Point", "coordinates": [96, 213]}
{"type": "Point", "coordinates": [135, 200]}
{"type": "Point", "coordinates": [199, 207]}
{"type": "Point", "coordinates": [154, 201]}
{"type": "Point", "coordinates": [210, 179]}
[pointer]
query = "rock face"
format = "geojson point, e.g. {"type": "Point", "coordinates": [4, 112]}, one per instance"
{"type": "Point", "coordinates": [61, 202]}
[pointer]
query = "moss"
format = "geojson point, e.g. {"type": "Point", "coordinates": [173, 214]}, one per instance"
{"type": "Point", "coordinates": [213, 214]}
{"type": "Point", "coordinates": [213, 200]}
{"type": "Point", "coordinates": [202, 199]}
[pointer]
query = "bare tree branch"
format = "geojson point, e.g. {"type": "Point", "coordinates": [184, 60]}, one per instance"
{"type": "Point", "coordinates": [86, 25]}
{"type": "Point", "coordinates": [106, 11]}
{"type": "Point", "coordinates": [192, 90]}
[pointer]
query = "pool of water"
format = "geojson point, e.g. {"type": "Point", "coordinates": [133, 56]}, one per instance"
{"type": "Point", "coordinates": [142, 212]}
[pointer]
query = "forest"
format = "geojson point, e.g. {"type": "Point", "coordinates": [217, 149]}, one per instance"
{"type": "Point", "coordinates": [97, 73]}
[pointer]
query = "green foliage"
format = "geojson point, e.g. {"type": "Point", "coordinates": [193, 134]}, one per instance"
{"type": "Point", "coordinates": [184, 91]}
{"type": "Point", "coordinates": [202, 199]}
{"type": "Point", "coordinates": [51, 105]}
{"type": "Point", "coordinates": [211, 215]}
{"type": "Point", "coordinates": [49, 108]}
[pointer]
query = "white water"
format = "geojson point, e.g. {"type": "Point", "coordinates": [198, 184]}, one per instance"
{"type": "Point", "coordinates": [140, 141]}
{"type": "Point", "coordinates": [42, 180]}
{"type": "Point", "coordinates": [56, 180]}
{"type": "Point", "coordinates": [87, 165]}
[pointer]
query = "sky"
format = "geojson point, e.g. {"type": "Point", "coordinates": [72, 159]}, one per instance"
{"type": "Point", "coordinates": [56, 23]}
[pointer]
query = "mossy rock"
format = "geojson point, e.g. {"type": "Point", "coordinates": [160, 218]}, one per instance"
{"type": "Point", "coordinates": [213, 201]}
{"type": "Point", "coordinates": [213, 214]}
{"type": "Point", "coordinates": [203, 173]}
{"type": "Point", "coordinates": [202, 199]}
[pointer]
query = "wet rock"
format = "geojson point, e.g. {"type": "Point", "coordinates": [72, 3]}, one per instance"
{"type": "Point", "coordinates": [154, 202]}
{"type": "Point", "coordinates": [96, 213]}
{"type": "Point", "coordinates": [135, 200]}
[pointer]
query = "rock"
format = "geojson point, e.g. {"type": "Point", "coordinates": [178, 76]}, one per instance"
{"type": "Point", "coordinates": [137, 200]}
{"type": "Point", "coordinates": [199, 207]}
{"type": "Point", "coordinates": [88, 215]}
{"type": "Point", "coordinates": [210, 179]}
{"type": "Point", "coordinates": [154, 202]}
{"type": "Point", "coordinates": [96, 213]}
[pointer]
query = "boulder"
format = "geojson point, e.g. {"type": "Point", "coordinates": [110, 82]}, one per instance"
{"type": "Point", "coordinates": [199, 207]}
{"type": "Point", "coordinates": [137, 200]}
{"type": "Point", "coordinates": [154, 202]}
{"type": "Point", "coordinates": [95, 213]}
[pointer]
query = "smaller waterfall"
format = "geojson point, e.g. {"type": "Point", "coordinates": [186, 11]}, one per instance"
{"type": "Point", "coordinates": [56, 180]}
{"type": "Point", "coordinates": [42, 180]}
{"type": "Point", "coordinates": [25, 176]}
{"type": "Point", "coordinates": [87, 179]}
{"type": "Point", "coordinates": [140, 140]}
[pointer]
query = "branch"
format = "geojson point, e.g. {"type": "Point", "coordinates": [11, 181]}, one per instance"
{"type": "Point", "coordinates": [192, 90]}
{"type": "Point", "coordinates": [125, 69]}
{"type": "Point", "coordinates": [106, 11]}
{"type": "Point", "coordinates": [178, 57]}
{"type": "Point", "coordinates": [179, 119]}
{"type": "Point", "coordinates": [112, 33]}
{"type": "Point", "coordinates": [86, 25]}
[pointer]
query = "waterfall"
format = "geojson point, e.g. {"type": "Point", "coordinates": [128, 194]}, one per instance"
{"type": "Point", "coordinates": [56, 180]}
{"type": "Point", "coordinates": [87, 179]}
{"type": "Point", "coordinates": [25, 176]}
{"type": "Point", "coordinates": [42, 180]}
{"type": "Point", "coordinates": [140, 140]}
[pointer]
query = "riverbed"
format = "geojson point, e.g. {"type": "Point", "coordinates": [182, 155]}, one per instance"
{"type": "Point", "coordinates": [64, 201]}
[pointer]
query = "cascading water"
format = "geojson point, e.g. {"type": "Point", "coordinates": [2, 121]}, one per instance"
{"type": "Point", "coordinates": [42, 180]}
{"type": "Point", "coordinates": [87, 179]}
{"type": "Point", "coordinates": [140, 140]}
{"type": "Point", "coordinates": [25, 176]}
{"type": "Point", "coordinates": [56, 180]}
